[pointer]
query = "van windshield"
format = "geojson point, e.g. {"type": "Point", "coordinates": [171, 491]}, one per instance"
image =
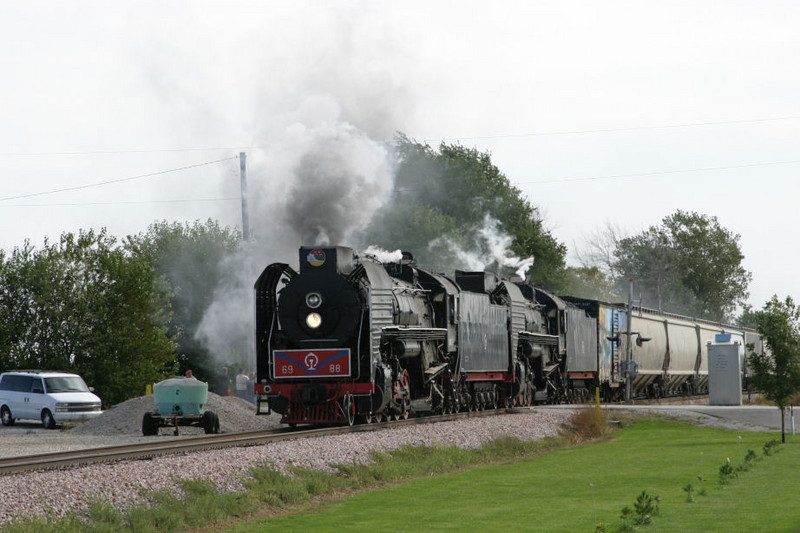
{"type": "Point", "coordinates": [65, 384]}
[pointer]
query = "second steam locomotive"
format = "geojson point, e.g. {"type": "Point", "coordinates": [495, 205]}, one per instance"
{"type": "Point", "coordinates": [349, 339]}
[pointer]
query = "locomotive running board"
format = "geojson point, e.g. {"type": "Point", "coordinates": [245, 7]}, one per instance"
{"type": "Point", "coordinates": [539, 338]}
{"type": "Point", "coordinates": [414, 333]}
{"type": "Point", "coordinates": [549, 369]}
{"type": "Point", "coordinates": [434, 371]}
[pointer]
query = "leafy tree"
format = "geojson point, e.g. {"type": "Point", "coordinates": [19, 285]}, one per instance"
{"type": "Point", "coordinates": [651, 260]}
{"type": "Point", "coordinates": [191, 258]}
{"type": "Point", "coordinates": [710, 262]}
{"type": "Point", "coordinates": [748, 318]}
{"type": "Point", "coordinates": [590, 282]}
{"type": "Point", "coordinates": [442, 202]}
{"type": "Point", "coordinates": [690, 264]}
{"type": "Point", "coordinates": [776, 373]}
{"type": "Point", "coordinates": [86, 304]}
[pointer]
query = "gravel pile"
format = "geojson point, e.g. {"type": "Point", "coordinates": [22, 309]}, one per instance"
{"type": "Point", "coordinates": [122, 424]}
{"type": "Point", "coordinates": [235, 415]}
{"type": "Point", "coordinates": [121, 483]}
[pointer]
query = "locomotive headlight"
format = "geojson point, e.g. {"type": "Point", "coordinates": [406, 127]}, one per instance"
{"type": "Point", "coordinates": [313, 320]}
{"type": "Point", "coordinates": [313, 300]}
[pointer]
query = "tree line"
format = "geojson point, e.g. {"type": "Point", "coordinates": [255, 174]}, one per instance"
{"type": "Point", "coordinates": [125, 313]}
{"type": "Point", "coordinates": [120, 313]}
{"type": "Point", "coordinates": [688, 264]}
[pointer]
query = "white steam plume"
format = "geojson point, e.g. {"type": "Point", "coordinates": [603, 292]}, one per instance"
{"type": "Point", "coordinates": [384, 256]}
{"type": "Point", "coordinates": [492, 248]}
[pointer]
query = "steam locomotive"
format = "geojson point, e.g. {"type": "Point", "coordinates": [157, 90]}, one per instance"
{"type": "Point", "coordinates": [351, 339]}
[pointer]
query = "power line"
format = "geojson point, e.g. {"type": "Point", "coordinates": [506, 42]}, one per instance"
{"type": "Point", "coordinates": [660, 172]}
{"type": "Point", "coordinates": [132, 202]}
{"type": "Point", "coordinates": [477, 137]}
{"type": "Point", "coordinates": [120, 180]}
{"type": "Point", "coordinates": [611, 130]}
{"type": "Point", "coordinates": [152, 151]}
{"type": "Point", "coordinates": [639, 174]}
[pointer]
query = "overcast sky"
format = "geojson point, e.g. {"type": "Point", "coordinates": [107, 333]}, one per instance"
{"type": "Point", "coordinates": [600, 112]}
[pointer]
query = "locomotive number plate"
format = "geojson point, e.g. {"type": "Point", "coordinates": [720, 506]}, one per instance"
{"type": "Point", "coordinates": [311, 363]}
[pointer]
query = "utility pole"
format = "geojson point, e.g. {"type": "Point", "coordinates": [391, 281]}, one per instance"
{"type": "Point", "coordinates": [628, 347]}
{"type": "Point", "coordinates": [243, 176]}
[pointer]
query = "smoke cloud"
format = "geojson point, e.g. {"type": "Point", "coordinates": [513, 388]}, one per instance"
{"type": "Point", "coordinates": [318, 182]}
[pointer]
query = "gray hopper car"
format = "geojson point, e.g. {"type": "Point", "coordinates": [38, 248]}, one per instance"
{"type": "Point", "coordinates": [668, 352]}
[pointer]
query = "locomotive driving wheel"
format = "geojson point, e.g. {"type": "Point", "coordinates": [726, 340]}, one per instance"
{"type": "Point", "coordinates": [450, 406]}
{"type": "Point", "coordinates": [348, 409]}
{"type": "Point", "coordinates": [402, 395]}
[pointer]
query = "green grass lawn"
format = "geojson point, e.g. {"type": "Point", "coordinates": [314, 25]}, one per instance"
{"type": "Point", "coordinates": [554, 492]}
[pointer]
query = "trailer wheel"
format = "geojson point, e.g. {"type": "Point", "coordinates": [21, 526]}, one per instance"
{"type": "Point", "coordinates": [211, 422]}
{"type": "Point", "coordinates": [149, 425]}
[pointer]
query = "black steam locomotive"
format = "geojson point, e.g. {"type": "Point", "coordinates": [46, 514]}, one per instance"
{"type": "Point", "coordinates": [349, 339]}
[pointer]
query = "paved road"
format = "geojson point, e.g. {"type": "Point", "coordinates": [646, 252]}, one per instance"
{"type": "Point", "coordinates": [756, 415]}
{"type": "Point", "coordinates": [752, 415]}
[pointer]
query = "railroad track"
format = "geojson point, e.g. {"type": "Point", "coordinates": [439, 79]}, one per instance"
{"type": "Point", "coordinates": [70, 459]}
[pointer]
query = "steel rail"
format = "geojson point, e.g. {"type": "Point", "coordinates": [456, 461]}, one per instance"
{"type": "Point", "coordinates": [147, 450]}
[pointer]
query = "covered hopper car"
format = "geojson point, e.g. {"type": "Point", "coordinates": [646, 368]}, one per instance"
{"type": "Point", "coordinates": [668, 352]}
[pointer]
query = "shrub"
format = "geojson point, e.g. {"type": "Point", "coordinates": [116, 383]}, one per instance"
{"type": "Point", "coordinates": [584, 425]}
{"type": "Point", "coordinates": [772, 447]}
{"type": "Point", "coordinates": [646, 507]}
{"type": "Point", "coordinates": [726, 472]}
{"type": "Point", "coordinates": [689, 490]}
{"type": "Point", "coordinates": [749, 458]}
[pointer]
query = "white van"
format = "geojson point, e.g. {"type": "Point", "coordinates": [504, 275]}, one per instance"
{"type": "Point", "coordinates": [52, 397]}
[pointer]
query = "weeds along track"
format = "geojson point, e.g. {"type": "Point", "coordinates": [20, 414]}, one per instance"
{"type": "Point", "coordinates": [68, 459]}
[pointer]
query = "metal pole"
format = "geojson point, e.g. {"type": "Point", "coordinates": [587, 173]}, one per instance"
{"type": "Point", "coordinates": [243, 176]}
{"type": "Point", "coordinates": [597, 402]}
{"type": "Point", "coordinates": [628, 348]}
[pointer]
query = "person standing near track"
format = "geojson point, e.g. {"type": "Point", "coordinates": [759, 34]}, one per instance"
{"type": "Point", "coordinates": [224, 382]}
{"type": "Point", "coordinates": [251, 388]}
{"type": "Point", "coordinates": [241, 384]}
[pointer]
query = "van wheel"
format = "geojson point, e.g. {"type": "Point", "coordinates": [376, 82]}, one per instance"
{"type": "Point", "coordinates": [47, 419]}
{"type": "Point", "coordinates": [5, 414]}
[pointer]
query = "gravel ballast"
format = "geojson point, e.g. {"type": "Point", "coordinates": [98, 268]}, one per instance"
{"type": "Point", "coordinates": [121, 484]}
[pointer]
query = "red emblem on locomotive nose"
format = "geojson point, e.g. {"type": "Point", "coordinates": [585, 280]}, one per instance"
{"type": "Point", "coordinates": [316, 257]}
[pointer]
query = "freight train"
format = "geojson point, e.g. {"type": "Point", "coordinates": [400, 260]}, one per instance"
{"type": "Point", "coordinates": [352, 339]}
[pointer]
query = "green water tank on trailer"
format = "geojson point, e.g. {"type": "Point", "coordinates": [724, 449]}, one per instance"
{"type": "Point", "coordinates": [180, 396]}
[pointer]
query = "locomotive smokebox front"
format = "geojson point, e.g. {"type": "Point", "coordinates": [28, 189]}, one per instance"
{"type": "Point", "coordinates": [320, 308]}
